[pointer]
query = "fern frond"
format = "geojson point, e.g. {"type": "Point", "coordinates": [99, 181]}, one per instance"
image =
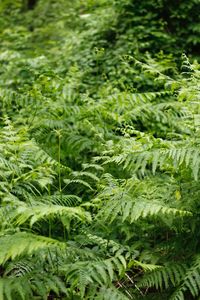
{"type": "Point", "coordinates": [59, 199]}
{"type": "Point", "coordinates": [159, 154]}
{"type": "Point", "coordinates": [17, 287]}
{"type": "Point", "coordinates": [30, 285]}
{"type": "Point", "coordinates": [190, 282]}
{"type": "Point", "coordinates": [78, 181]}
{"type": "Point", "coordinates": [24, 243]}
{"type": "Point", "coordinates": [132, 211]}
{"type": "Point", "coordinates": [110, 293]}
{"type": "Point", "coordinates": [85, 174]}
{"type": "Point", "coordinates": [39, 212]}
{"type": "Point", "coordinates": [103, 272]}
{"type": "Point", "coordinates": [162, 277]}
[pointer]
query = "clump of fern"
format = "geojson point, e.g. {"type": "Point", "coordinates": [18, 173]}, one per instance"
{"type": "Point", "coordinates": [99, 154]}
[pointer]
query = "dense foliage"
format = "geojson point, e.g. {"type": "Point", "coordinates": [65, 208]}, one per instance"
{"type": "Point", "coordinates": [99, 149]}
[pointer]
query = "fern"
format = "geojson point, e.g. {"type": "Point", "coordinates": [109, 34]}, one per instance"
{"type": "Point", "coordinates": [24, 242]}
{"type": "Point", "coordinates": [132, 205]}
{"type": "Point", "coordinates": [17, 287]}
{"type": "Point", "coordinates": [99, 150]}
{"type": "Point", "coordinates": [190, 282]}
{"type": "Point", "coordinates": [163, 277]}
{"type": "Point", "coordinates": [102, 272]}
{"type": "Point", "coordinates": [35, 213]}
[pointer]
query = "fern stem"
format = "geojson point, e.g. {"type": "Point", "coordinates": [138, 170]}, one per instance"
{"type": "Point", "coordinates": [59, 159]}
{"type": "Point", "coordinates": [49, 228]}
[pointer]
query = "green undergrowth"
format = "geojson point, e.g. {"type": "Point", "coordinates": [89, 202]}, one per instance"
{"type": "Point", "coordinates": [99, 150]}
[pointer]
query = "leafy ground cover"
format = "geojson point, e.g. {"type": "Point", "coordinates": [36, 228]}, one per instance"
{"type": "Point", "coordinates": [99, 150]}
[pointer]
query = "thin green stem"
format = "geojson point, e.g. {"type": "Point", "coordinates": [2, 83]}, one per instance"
{"type": "Point", "coordinates": [59, 169]}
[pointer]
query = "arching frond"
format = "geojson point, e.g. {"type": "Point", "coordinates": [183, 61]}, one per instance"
{"type": "Point", "coordinates": [162, 277]}
{"type": "Point", "coordinates": [22, 243]}
{"type": "Point", "coordinates": [35, 213]}
{"type": "Point", "coordinates": [85, 274]}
